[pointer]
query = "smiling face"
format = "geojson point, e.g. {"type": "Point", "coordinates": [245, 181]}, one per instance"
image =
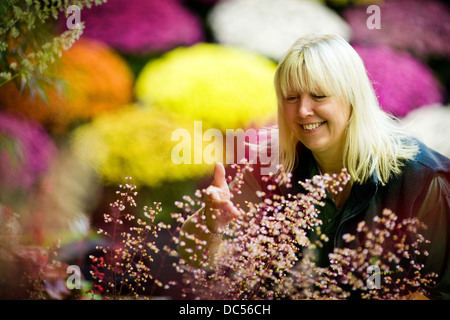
{"type": "Point", "coordinates": [316, 120]}
{"type": "Point", "coordinates": [327, 103]}
{"type": "Point", "coordinates": [313, 100]}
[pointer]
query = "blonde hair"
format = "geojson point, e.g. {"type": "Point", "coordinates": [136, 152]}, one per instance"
{"type": "Point", "coordinates": [329, 64]}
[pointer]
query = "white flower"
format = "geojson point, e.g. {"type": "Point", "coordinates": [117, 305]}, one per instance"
{"type": "Point", "coordinates": [270, 27]}
{"type": "Point", "coordinates": [431, 125]}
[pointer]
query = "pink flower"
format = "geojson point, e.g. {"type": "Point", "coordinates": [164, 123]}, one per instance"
{"type": "Point", "coordinates": [142, 26]}
{"type": "Point", "coordinates": [412, 25]}
{"type": "Point", "coordinates": [401, 82]}
{"type": "Point", "coordinates": [30, 155]}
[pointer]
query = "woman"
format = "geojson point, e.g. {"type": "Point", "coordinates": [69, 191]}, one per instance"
{"type": "Point", "coordinates": [329, 118]}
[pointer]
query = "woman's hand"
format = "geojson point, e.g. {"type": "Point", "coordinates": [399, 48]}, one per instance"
{"type": "Point", "coordinates": [219, 209]}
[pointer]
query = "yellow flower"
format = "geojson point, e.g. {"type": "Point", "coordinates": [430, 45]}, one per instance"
{"type": "Point", "coordinates": [225, 87]}
{"type": "Point", "coordinates": [135, 142]}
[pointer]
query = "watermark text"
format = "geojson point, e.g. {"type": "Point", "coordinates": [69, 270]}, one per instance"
{"type": "Point", "coordinates": [374, 20]}
{"type": "Point", "coordinates": [74, 20]}
{"type": "Point", "coordinates": [237, 144]}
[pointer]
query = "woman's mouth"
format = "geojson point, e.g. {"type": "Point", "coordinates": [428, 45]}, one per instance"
{"type": "Point", "coordinates": [310, 127]}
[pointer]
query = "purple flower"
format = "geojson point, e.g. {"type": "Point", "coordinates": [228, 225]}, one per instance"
{"type": "Point", "coordinates": [142, 26]}
{"type": "Point", "coordinates": [418, 26]}
{"type": "Point", "coordinates": [401, 82]}
{"type": "Point", "coordinates": [31, 152]}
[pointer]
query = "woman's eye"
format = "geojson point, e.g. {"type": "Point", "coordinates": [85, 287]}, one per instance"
{"type": "Point", "coordinates": [292, 98]}
{"type": "Point", "coordinates": [318, 97]}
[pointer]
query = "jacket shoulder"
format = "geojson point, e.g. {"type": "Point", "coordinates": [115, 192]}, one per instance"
{"type": "Point", "coordinates": [429, 160]}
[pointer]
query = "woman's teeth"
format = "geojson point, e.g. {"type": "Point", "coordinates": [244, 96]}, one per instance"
{"type": "Point", "coordinates": [312, 126]}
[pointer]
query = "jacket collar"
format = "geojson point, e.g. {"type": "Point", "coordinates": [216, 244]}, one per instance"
{"type": "Point", "coordinates": [306, 168]}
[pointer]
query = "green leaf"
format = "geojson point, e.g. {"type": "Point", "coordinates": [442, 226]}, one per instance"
{"type": "Point", "coordinates": [13, 148]}
{"type": "Point", "coordinates": [15, 33]}
{"type": "Point", "coordinates": [18, 13]}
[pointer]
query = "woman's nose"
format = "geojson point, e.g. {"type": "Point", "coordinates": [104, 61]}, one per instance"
{"type": "Point", "coordinates": [305, 107]}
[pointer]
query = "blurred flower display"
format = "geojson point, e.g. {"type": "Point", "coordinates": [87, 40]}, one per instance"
{"type": "Point", "coordinates": [94, 79]}
{"type": "Point", "coordinates": [402, 82]}
{"type": "Point", "coordinates": [27, 47]}
{"type": "Point", "coordinates": [413, 25]}
{"type": "Point", "coordinates": [137, 142]}
{"type": "Point", "coordinates": [27, 271]}
{"type": "Point", "coordinates": [141, 71]}
{"type": "Point", "coordinates": [270, 27]}
{"type": "Point", "coordinates": [58, 209]}
{"type": "Point", "coordinates": [29, 158]}
{"type": "Point", "coordinates": [225, 87]}
{"type": "Point", "coordinates": [144, 27]}
{"type": "Point", "coordinates": [431, 124]}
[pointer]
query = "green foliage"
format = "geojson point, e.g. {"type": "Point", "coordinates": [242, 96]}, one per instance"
{"type": "Point", "coordinates": [12, 147]}
{"type": "Point", "coordinates": [29, 44]}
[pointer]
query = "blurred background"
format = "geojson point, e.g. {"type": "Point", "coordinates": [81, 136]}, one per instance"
{"type": "Point", "coordinates": [106, 108]}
